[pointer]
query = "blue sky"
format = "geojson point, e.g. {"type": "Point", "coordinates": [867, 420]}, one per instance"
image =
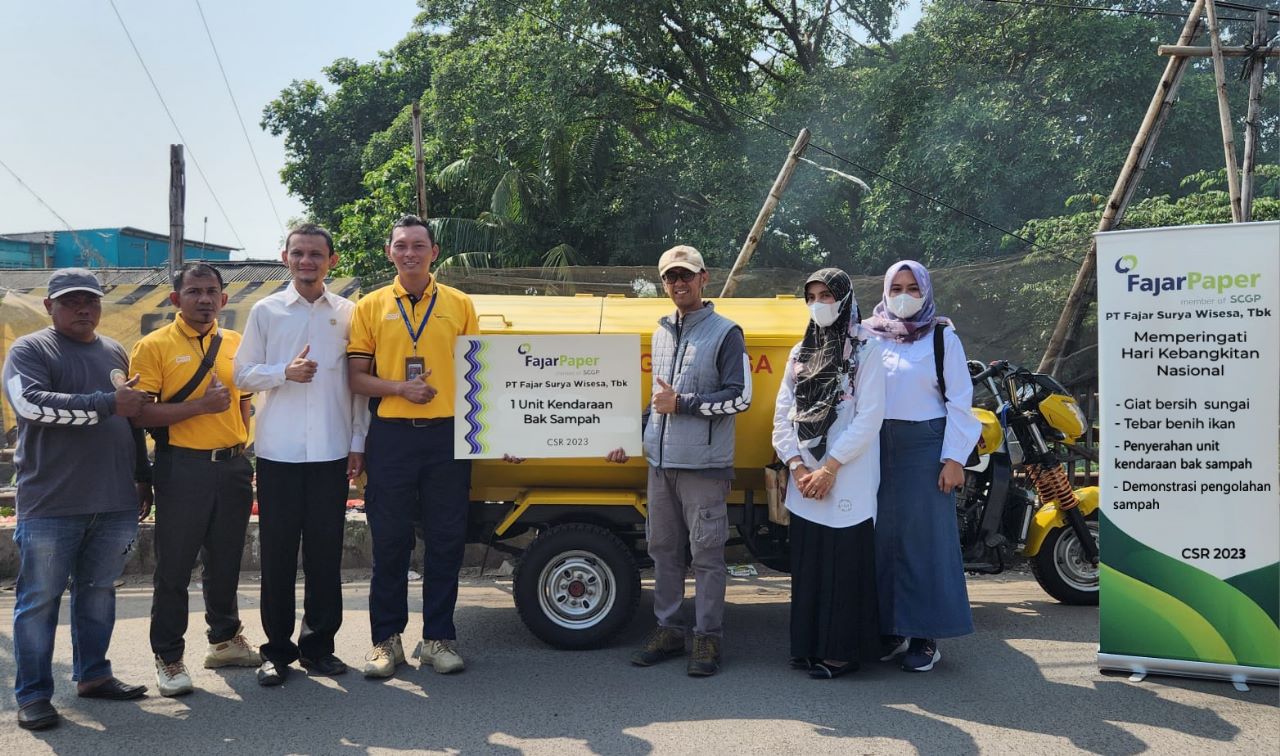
{"type": "Point", "coordinates": [81, 125]}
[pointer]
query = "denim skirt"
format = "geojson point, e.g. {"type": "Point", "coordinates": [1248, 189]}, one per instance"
{"type": "Point", "coordinates": [919, 570]}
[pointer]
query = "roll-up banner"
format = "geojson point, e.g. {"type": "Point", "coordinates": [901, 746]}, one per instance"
{"type": "Point", "coordinates": [1189, 390]}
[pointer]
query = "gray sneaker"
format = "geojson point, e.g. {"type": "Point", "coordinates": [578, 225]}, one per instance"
{"type": "Point", "coordinates": [172, 678]}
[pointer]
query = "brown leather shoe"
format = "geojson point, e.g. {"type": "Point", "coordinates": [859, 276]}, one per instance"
{"type": "Point", "coordinates": [661, 643]}
{"type": "Point", "coordinates": [705, 660]}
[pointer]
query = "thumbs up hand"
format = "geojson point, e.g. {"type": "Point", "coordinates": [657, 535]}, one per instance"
{"type": "Point", "coordinates": [217, 397]}
{"type": "Point", "coordinates": [301, 369]}
{"type": "Point", "coordinates": [665, 400]}
{"type": "Point", "coordinates": [129, 400]}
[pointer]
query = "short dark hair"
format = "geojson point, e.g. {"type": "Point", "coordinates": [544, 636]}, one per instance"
{"type": "Point", "coordinates": [409, 221]}
{"type": "Point", "coordinates": [199, 270]}
{"type": "Point", "coordinates": [310, 229]}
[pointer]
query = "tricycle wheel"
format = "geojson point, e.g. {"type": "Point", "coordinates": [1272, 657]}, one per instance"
{"type": "Point", "coordinates": [1062, 568]}
{"type": "Point", "coordinates": [576, 586]}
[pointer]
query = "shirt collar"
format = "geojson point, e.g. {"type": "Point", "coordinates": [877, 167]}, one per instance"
{"type": "Point", "coordinates": [400, 291]}
{"type": "Point", "coordinates": [188, 331]}
{"type": "Point", "coordinates": [292, 297]}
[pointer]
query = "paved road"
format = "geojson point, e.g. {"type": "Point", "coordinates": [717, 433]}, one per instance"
{"type": "Point", "coordinates": [1026, 681]}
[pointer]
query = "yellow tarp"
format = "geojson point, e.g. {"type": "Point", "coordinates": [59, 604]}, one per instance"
{"type": "Point", "coordinates": [130, 311]}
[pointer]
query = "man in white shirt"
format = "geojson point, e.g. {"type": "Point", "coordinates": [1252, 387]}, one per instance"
{"type": "Point", "coordinates": [309, 445]}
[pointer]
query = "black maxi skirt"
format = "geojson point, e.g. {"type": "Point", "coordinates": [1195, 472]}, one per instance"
{"type": "Point", "coordinates": [834, 609]}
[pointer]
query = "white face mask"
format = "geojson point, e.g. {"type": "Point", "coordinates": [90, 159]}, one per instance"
{"type": "Point", "coordinates": [904, 305]}
{"type": "Point", "coordinates": [824, 313]}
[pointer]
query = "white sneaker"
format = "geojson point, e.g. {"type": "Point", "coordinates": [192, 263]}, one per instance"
{"type": "Point", "coordinates": [442, 655]}
{"type": "Point", "coordinates": [172, 679]}
{"type": "Point", "coordinates": [383, 659]}
{"type": "Point", "coordinates": [232, 653]}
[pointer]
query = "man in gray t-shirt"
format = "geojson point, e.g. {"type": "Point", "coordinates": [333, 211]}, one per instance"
{"type": "Point", "coordinates": [78, 505]}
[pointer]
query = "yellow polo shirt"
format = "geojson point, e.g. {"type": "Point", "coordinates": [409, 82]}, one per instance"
{"type": "Point", "coordinates": [167, 358]}
{"type": "Point", "coordinates": [379, 333]}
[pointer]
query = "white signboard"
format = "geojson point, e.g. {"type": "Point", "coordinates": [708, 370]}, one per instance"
{"type": "Point", "coordinates": [547, 396]}
{"type": "Point", "coordinates": [1189, 388]}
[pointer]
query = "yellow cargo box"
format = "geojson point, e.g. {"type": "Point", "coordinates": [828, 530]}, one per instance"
{"type": "Point", "coordinates": [771, 328]}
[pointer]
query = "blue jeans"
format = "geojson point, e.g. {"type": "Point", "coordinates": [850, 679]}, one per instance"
{"type": "Point", "coordinates": [90, 550]}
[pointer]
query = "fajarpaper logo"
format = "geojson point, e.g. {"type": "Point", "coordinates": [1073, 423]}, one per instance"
{"type": "Point", "coordinates": [1192, 281]}
{"type": "Point", "coordinates": [563, 360]}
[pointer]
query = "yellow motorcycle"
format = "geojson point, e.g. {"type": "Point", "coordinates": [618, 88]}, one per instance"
{"type": "Point", "coordinates": [1017, 498]}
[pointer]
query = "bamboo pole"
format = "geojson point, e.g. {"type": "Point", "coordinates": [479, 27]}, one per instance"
{"type": "Point", "coordinates": [766, 210]}
{"type": "Point", "coordinates": [1224, 113]}
{"type": "Point", "coordinates": [1252, 118]}
{"type": "Point", "coordinates": [177, 206]}
{"type": "Point", "coordinates": [1207, 52]}
{"type": "Point", "coordinates": [1144, 142]}
{"type": "Point", "coordinates": [419, 165]}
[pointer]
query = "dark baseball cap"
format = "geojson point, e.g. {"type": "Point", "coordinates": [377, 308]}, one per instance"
{"type": "Point", "coordinates": [67, 280]}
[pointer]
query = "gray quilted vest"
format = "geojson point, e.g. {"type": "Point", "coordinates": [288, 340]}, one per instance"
{"type": "Point", "coordinates": [680, 441]}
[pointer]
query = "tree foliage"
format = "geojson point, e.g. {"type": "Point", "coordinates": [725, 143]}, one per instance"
{"type": "Point", "coordinates": [603, 131]}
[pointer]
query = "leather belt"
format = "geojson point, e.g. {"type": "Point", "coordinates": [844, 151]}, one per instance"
{"type": "Point", "coordinates": [213, 455]}
{"type": "Point", "coordinates": [416, 422]}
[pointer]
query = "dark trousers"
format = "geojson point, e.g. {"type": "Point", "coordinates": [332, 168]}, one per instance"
{"type": "Point", "coordinates": [202, 509]}
{"type": "Point", "coordinates": [301, 502]}
{"type": "Point", "coordinates": [414, 477]}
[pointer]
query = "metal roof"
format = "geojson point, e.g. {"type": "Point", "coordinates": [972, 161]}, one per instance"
{"type": "Point", "coordinates": [233, 271]}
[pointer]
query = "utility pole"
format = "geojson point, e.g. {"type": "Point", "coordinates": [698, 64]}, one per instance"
{"type": "Point", "coordinates": [1144, 142]}
{"type": "Point", "coordinates": [177, 206]}
{"type": "Point", "coordinates": [1252, 117]}
{"type": "Point", "coordinates": [418, 163]}
{"type": "Point", "coordinates": [766, 211]}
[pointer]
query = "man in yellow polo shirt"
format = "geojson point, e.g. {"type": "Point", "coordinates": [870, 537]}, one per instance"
{"type": "Point", "coordinates": [401, 355]}
{"type": "Point", "coordinates": [203, 489]}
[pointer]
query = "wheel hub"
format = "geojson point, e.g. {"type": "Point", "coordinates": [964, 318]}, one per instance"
{"type": "Point", "coordinates": [576, 589]}
{"type": "Point", "coordinates": [1072, 563]}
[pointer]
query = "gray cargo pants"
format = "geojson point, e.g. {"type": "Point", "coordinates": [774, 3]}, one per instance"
{"type": "Point", "coordinates": [685, 507]}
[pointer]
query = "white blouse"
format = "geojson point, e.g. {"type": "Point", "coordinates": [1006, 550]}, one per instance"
{"type": "Point", "coordinates": [911, 390]}
{"type": "Point", "coordinates": [853, 440]}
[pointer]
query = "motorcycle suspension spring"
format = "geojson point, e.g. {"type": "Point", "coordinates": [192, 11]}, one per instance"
{"type": "Point", "coordinates": [1052, 485]}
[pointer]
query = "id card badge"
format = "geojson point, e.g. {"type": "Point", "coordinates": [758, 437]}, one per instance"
{"type": "Point", "coordinates": [414, 368]}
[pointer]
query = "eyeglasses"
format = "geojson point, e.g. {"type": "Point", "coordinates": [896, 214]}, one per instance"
{"type": "Point", "coordinates": [678, 274]}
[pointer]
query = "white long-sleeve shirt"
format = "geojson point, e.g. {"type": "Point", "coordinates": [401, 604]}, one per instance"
{"type": "Point", "coordinates": [853, 440]}
{"type": "Point", "coordinates": [911, 390]}
{"type": "Point", "coordinates": [318, 421]}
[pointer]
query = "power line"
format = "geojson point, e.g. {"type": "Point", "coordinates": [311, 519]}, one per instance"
{"type": "Point", "coordinates": [85, 250]}
{"type": "Point", "coordinates": [750, 116]}
{"type": "Point", "coordinates": [239, 117]}
{"type": "Point", "coordinates": [174, 122]}
{"type": "Point", "coordinates": [1125, 11]}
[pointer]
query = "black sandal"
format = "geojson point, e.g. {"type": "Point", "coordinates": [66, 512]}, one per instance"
{"type": "Point", "coordinates": [823, 671]}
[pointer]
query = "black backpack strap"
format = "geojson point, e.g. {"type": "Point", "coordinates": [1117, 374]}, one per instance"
{"type": "Point", "coordinates": [938, 355]}
{"type": "Point", "coordinates": [161, 434]}
{"type": "Point", "coordinates": [206, 364]}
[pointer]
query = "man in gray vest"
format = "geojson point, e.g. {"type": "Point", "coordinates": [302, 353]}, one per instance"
{"type": "Point", "coordinates": [701, 379]}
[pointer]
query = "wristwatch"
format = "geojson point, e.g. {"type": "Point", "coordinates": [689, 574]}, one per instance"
{"type": "Point", "coordinates": [796, 464]}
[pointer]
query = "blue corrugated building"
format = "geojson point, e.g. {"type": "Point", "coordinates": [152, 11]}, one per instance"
{"type": "Point", "coordinates": [125, 247]}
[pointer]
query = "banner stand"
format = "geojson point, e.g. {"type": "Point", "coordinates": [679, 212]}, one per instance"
{"type": "Point", "coordinates": [1145, 665]}
{"type": "Point", "coordinates": [1189, 515]}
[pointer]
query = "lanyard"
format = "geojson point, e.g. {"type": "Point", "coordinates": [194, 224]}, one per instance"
{"type": "Point", "coordinates": [421, 326]}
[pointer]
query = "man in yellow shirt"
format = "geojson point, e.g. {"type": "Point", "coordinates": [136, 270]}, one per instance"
{"type": "Point", "coordinates": [203, 488]}
{"type": "Point", "coordinates": [401, 355]}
